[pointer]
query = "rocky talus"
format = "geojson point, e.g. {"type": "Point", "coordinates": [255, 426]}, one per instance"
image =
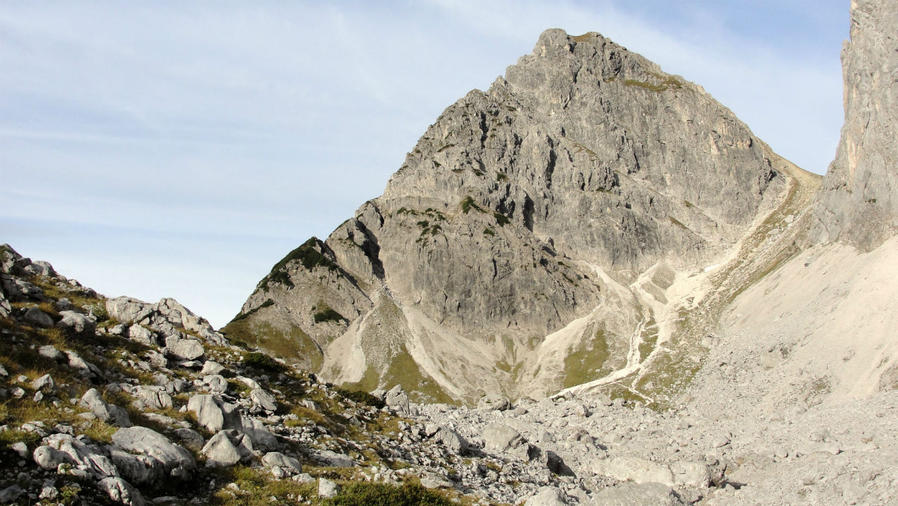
{"type": "Point", "coordinates": [859, 202]}
{"type": "Point", "coordinates": [114, 400]}
{"type": "Point", "coordinates": [540, 235]}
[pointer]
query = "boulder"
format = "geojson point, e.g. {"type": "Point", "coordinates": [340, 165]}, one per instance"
{"type": "Point", "coordinates": [263, 400]}
{"type": "Point", "coordinates": [50, 351]}
{"type": "Point", "coordinates": [104, 411]}
{"type": "Point", "coordinates": [142, 335]}
{"type": "Point", "coordinates": [77, 322]}
{"type": "Point", "coordinates": [451, 440]}
{"type": "Point", "coordinates": [121, 491]}
{"type": "Point", "coordinates": [127, 310]}
{"type": "Point", "coordinates": [397, 399]}
{"type": "Point", "coordinates": [226, 448]}
{"type": "Point", "coordinates": [44, 384]}
{"type": "Point", "coordinates": [327, 488]}
{"type": "Point", "coordinates": [85, 459]}
{"type": "Point", "coordinates": [152, 397]}
{"type": "Point", "coordinates": [217, 383]}
{"type": "Point", "coordinates": [184, 349]}
{"type": "Point", "coordinates": [634, 469]}
{"type": "Point", "coordinates": [20, 290]}
{"type": "Point", "coordinates": [36, 317]}
{"type": "Point", "coordinates": [288, 465]}
{"type": "Point", "coordinates": [208, 412]}
{"type": "Point", "coordinates": [498, 437]}
{"type": "Point", "coordinates": [630, 493]}
{"type": "Point", "coordinates": [170, 459]}
{"type": "Point", "coordinates": [190, 439]}
{"type": "Point", "coordinates": [547, 496]}
{"type": "Point", "coordinates": [40, 268]}
{"type": "Point", "coordinates": [211, 367]}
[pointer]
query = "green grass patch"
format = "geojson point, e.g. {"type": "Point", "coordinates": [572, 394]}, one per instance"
{"type": "Point", "coordinates": [307, 255]}
{"type": "Point", "coordinates": [678, 223]}
{"type": "Point", "coordinates": [291, 344]}
{"type": "Point", "coordinates": [361, 397]}
{"type": "Point", "coordinates": [242, 316]}
{"type": "Point", "coordinates": [649, 339]}
{"type": "Point", "coordinates": [661, 83]}
{"type": "Point", "coordinates": [326, 314]}
{"type": "Point", "coordinates": [262, 362]}
{"type": "Point", "coordinates": [467, 204]}
{"type": "Point", "coordinates": [587, 361]}
{"type": "Point", "coordinates": [257, 488]}
{"type": "Point", "coordinates": [403, 370]}
{"type": "Point", "coordinates": [368, 494]}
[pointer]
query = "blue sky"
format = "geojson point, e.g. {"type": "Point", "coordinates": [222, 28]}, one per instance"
{"type": "Point", "coordinates": [181, 148]}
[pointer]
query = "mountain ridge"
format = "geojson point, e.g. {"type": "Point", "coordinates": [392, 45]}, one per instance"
{"type": "Point", "coordinates": [581, 169]}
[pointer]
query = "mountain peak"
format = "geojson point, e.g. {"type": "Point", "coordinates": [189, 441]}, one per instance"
{"type": "Point", "coordinates": [519, 211]}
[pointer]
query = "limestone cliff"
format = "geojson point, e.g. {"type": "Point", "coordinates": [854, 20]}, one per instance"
{"type": "Point", "coordinates": [528, 241]}
{"type": "Point", "coordinates": [859, 201]}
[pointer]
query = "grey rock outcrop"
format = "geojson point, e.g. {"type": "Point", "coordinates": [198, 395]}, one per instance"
{"type": "Point", "coordinates": [114, 415]}
{"type": "Point", "coordinates": [151, 456]}
{"type": "Point", "coordinates": [859, 200]}
{"type": "Point", "coordinates": [184, 349]}
{"type": "Point", "coordinates": [167, 317]}
{"type": "Point", "coordinates": [37, 317]}
{"type": "Point", "coordinates": [547, 496]}
{"type": "Point", "coordinates": [208, 412]}
{"type": "Point", "coordinates": [226, 448]}
{"type": "Point", "coordinates": [152, 397]}
{"type": "Point", "coordinates": [263, 400]}
{"type": "Point", "coordinates": [86, 459]}
{"type": "Point", "coordinates": [121, 491]}
{"type": "Point", "coordinates": [637, 493]}
{"type": "Point", "coordinates": [452, 440]}
{"type": "Point", "coordinates": [281, 464]}
{"type": "Point", "coordinates": [77, 322]}
{"type": "Point", "coordinates": [5, 306]}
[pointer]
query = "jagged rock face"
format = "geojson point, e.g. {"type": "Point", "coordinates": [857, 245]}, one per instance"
{"type": "Point", "coordinates": [585, 165]}
{"type": "Point", "coordinates": [859, 201]}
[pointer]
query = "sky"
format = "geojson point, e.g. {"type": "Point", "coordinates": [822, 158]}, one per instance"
{"type": "Point", "coordinates": [172, 148]}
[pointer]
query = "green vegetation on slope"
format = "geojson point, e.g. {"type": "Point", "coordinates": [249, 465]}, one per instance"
{"type": "Point", "coordinates": [293, 345]}
{"type": "Point", "coordinates": [307, 254]}
{"type": "Point", "coordinates": [587, 361]}
{"type": "Point", "coordinates": [403, 370]}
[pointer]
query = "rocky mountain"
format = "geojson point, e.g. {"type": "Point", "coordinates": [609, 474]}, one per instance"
{"type": "Point", "coordinates": [858, 204]}
{"type": "Point", "coordinates": [542, 234]}
{"type": "Point", "coordinates": [638, 341]}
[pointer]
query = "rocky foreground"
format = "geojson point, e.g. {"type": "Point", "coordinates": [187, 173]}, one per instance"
{"type": "Point", "coordinates": [121, 401]}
